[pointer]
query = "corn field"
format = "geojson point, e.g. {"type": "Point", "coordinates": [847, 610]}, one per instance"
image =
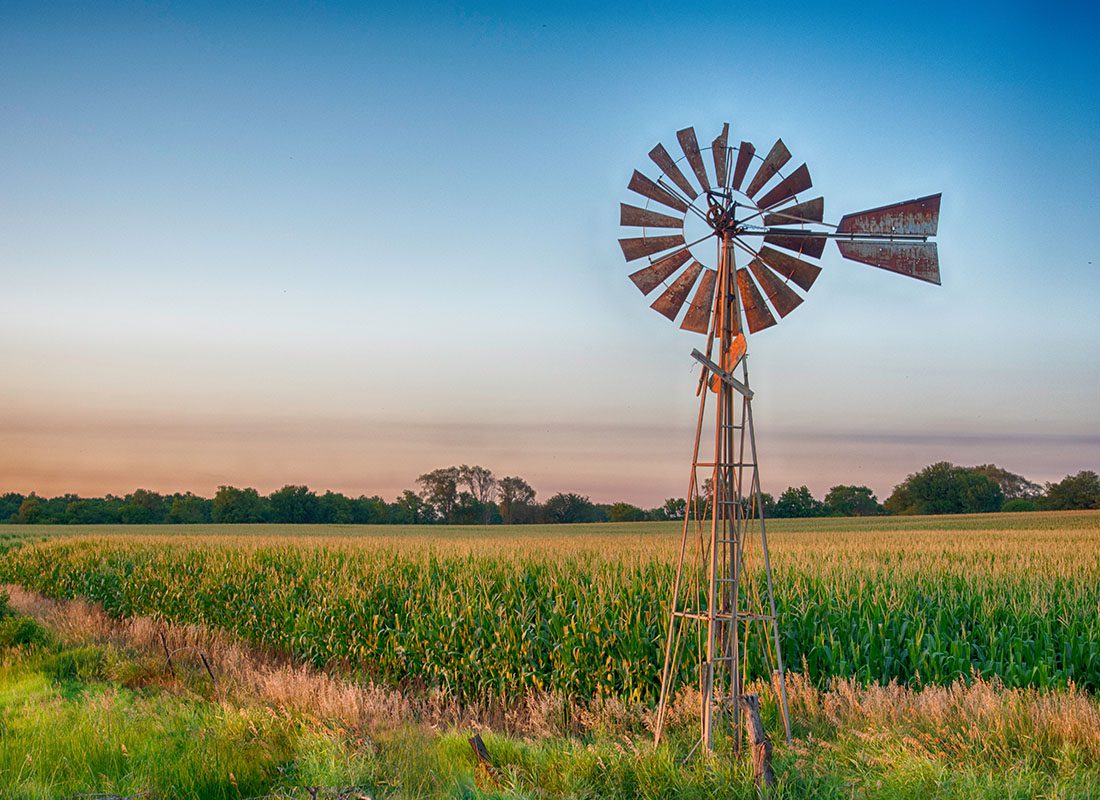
{"type": "Point", "coordinates": [494, 613]}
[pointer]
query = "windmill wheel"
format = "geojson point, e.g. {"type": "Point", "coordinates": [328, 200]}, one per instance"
{"type": "Point", "coordinates": [753, 203]}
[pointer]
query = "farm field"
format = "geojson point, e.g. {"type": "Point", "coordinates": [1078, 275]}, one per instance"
{"type": "Point", "coordinates": [489, 614]}
{"type": "Point", "coordinates": [921, 644]}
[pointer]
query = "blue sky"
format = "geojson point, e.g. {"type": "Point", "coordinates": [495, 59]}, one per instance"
{"type": "Point", "coordinates": [344, 244]}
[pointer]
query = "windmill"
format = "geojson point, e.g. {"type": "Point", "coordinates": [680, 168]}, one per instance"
{"type": "Point", "coordinates": [767, 238]}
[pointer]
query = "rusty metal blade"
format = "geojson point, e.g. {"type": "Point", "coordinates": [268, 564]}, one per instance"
{"type": "Point", "coordinates": [646, 188]}
{"type": "Point", "coordinates": [697, 317]}
{"type": "Point", "coordinates": [719, 149]}
{"type": "Point", "coordinates": [632, 216]}
{"type": "Point", "coordinates": [730, 359]}
{"type": "Point", "coordinates": [757, 314]}
{"type": "Point", "coordinates": [744, 157]}
{"type": "Point", "coordinates": [690, 145]}
{"type": "Point", "coordinates": [773, 162]}
{"type": "Point", "coordinates": [918, 260]}
{"type": "Point", "coordinates": [918, 217]}
{"type": "Point", "coordinates": [735, 352]}
{"type": "Point", "coordinates": [797, 241]}
{"type": "Point", "coordinates": [648, 245]}
{"type": "Point", "coordinates": [672, 299]}
{"type": "Point", "coordinates": [782, 296]}
{"type": "Point", "coordinates": [809, 211]}
{"type": "Point", "coordinates": [649, 278]}
{"type": "Point", "coordinates": [801, 272]}
{"type": "Point", "coordinates": [797, 181]}
{"type": "Point", "coordinates": [663, 160]}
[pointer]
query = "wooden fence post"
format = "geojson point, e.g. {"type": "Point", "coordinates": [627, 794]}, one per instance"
{"type": "Point", "coordinates": [760, 743]}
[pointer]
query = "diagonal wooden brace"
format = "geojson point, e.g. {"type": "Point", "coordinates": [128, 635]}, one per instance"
{"type": "Point", "coordinates": [722, 374]}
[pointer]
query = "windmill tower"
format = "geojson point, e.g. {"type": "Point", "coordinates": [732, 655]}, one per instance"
{"type": "Point", "coordinates": [766, 238]}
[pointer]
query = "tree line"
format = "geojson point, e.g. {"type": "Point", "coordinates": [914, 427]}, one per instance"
{"type": "Point", "coordinates": [473, 495]}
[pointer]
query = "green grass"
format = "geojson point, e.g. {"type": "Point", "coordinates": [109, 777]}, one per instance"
{"type": "Point", "coordinates": [65, 734]}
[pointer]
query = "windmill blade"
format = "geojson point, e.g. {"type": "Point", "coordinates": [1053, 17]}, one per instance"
{"type": "Point", "coordinates": [809, 211]}
{"type": "Point", "coordinates": [757, 314]}
{"type": "Point", "coordinates": [797, 181]}
{"type": "Point", "coordinates": [773, 162]}
{"type": "Point", "coordinates": [918, 260]}
{"type": "Point", "coordinates": [648, 245]}
{"type": "Point", "coordinates": [632, 216]}
{"type": "Point", "coordinates": [798, 241]}
{"type": "Point", "coordinates": [801, 272]}
{"type": "Point", "coordinates": [744, 157]}
{"type": "Point", "coordinates": [719, 149]}
{"type": "Point", "coordinates": [690, 145]}
{"type": "Point", "coordinates": [918, 217]}
{"type": "Point", "coordinates": [782, 296]}
{"type": "Point", "coordinates": [672, 299]}
{"type": "Point", "coordinates": [735, 352]}
{"type": "Point", "coordinates": [649, 278]}
{"type": "Point", "coordinates": [697, 317]}
{"type": "Point", "coordinates": [663, 160]}
{"type": "Point", "coordinates": [730, 359]}
{"type": "Point", "coordinates": [646, 188]}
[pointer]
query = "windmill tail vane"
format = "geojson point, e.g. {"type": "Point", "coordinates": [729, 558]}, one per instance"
{"type": "Point", "coordinates": [767, 237]}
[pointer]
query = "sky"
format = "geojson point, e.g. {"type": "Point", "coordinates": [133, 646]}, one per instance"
{"type": "Point", "coordinates": [343, 244]}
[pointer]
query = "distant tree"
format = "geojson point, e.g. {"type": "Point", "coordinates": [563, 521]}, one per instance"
{"type": "Point", "coordinates": [468, 510]}
{"type": "Point", "coordinates": [90, 511]}
{"type": "Point", "coordinates": [190, 509]}
{"type": "Point", "coordinates": [625, 512]}
{"type": "Point", "coordinates": [672, 508]}
{"type": "Point", "coordinates": [439, 490]}
{"type": "Point", "coordinates": [799, 503]}
{"type": "Point", "coordinates": [370, 510]}
{"type": "Point", "coordinates": [944, 488]}
{"type": "Point", "coordinates": [564, 508]}
{"type": "Point", "coordinates": [31, 511]}
{"type": "Point", "coordinates": [748, 505]}
{"type": "Point", "coordinates": [410, 509]}
{"type": "Point", "coordinates": [528, 513]}
{"type": "Point", "coordinates": [9, 506]}
{"type": "Point", "coordinates": [1073, 491]}
{"type": "Point", "coordinates": [1020, 504]}
{"type": "Point", "coordinates": [516, 496]}
{"type": "Point", "coordinates": [482, 486]}
{"type": "Point", "coordinates": [335, 508]}
{"type": "Point", "coordinates": [852, 501]}
{"type": "Point", "coordinates": [1013, 486]}
{"type": "Point", "coordinates": [238, 505]}
{"type": "Point", "coordinates": [143, 507]}
{"type": "Point", "coordinates": [294, 504]}
{"type": "Point", "coordinates": [58, 506]}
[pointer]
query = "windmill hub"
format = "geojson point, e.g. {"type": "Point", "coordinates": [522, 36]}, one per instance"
{"type": "Point", "coordinates": [723, 213]}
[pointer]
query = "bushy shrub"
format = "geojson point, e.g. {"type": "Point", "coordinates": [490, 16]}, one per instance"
{"type": "Point", "coordinates": [18, 631]}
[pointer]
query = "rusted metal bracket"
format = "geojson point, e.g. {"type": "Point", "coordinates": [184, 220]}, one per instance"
{"type": "Point", "coordinates": [722, 374]}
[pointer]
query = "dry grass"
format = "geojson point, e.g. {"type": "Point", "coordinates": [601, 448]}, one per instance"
{"type": "Point", "coordinates": [244, 672]}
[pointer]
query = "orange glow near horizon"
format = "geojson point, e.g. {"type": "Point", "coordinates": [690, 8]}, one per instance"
{"type": "Point", "coordinates": [639, 464]}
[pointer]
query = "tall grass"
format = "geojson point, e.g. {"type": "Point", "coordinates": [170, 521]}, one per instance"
{"type": "Point", "coordinates": [498, 613]}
